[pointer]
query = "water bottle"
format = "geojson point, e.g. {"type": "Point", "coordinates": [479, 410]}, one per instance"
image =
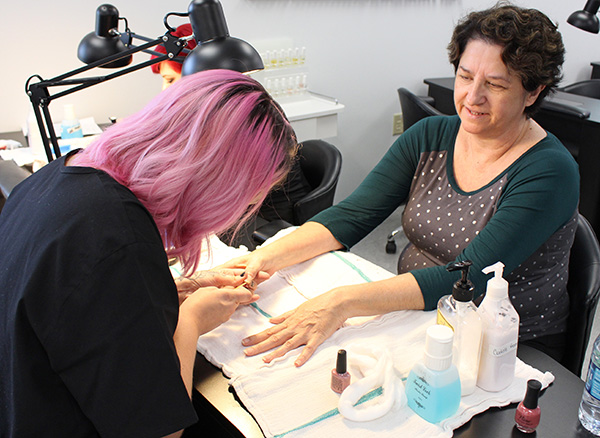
{"type": "Point", "coordinates": [589, 408]}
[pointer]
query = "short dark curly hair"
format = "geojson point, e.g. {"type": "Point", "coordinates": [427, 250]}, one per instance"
{"type": "Point", "coordinates": [532, 46]}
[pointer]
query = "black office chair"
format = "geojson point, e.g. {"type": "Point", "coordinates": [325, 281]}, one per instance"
{"type": "Point", "coordinates": [414, 108]}
{"type": "Point", "coordinates": [588, 88]}
{"type": "Point", "coordinates": [584, 290]}
{"type": "Point", "coordinates": [321, 163]}
{"type": "Point", "coordinates": [11, 174]}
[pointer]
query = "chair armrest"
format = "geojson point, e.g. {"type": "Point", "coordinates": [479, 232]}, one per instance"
{"type": "Point", "coordinates": [268, 230]}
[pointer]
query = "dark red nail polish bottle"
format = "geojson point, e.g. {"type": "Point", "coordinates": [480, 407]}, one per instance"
{"type": "Point", "coordinates": [528, 411]}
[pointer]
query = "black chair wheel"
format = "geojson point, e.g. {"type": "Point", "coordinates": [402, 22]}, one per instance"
{"type": "Point", "coordinates": [390, 247]}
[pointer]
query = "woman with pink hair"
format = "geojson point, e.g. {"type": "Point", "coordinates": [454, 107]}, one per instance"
{"type": "Point", "coordinates": [93, 332]}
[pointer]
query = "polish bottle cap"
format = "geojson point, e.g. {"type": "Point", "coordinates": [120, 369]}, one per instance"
{"type": "Point", "coordinates": [438, 347]}
{"type": "Point", "coordinates": [533, 392]}
{"type": "Point", "coordinates": [463, 289]}
{"type": "Point", "coordinates": [340, 364]}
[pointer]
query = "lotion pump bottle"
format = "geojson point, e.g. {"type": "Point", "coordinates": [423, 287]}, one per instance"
{"type": "Point", "coordinates": [458, 312]}
{"type": "Point", "coordinates": [433, 385]}
{"type": "Point", "coordinates": [500, 334]}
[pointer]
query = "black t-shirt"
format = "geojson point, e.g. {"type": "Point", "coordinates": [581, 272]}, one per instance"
{"type": "Point", "coordinates": [89, 309]}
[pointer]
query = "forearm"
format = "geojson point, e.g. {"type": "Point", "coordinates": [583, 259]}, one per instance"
{"type": "Point", "coordinates": [401, 292]}
{"type": "Point", "coordinates": [308, 241]}
{"type": "Point", "coordinates": [185, 338]}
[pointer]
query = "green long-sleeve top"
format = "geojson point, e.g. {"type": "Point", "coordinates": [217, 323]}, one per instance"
{"type": "Point", "coordinates": [525, 218]}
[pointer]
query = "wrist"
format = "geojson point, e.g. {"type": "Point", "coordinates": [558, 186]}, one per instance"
{"type": "Point", "coordinates": [187, 321]}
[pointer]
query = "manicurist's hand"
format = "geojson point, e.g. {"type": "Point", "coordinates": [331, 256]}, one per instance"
{"type": "Point", "coordinates": [215, 278]}
{"type": "Point", "coordinates": [256, 267]}
{"type": "Point", "coordinates": [209, 307]}
{"type": "Point", "coordinates": [309, 324]}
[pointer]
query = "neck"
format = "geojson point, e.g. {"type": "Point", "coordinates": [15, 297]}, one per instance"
{"type": "Point", "coordinates": [494, 148]}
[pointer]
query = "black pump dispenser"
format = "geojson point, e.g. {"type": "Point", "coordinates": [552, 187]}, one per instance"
{"type": "Point", "coordinates": [463, 288]}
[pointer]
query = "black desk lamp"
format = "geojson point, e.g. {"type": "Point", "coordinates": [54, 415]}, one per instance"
{"type": "Point", "coordinates": [106, 47]}
{"type": "Point", "coordinates": [586, 19]}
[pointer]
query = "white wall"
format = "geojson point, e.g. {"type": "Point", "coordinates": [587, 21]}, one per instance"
{"type": "Point", "coordinates": [359, 51]}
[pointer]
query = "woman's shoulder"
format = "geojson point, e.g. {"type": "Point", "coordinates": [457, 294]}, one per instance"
{"type": "Point", "coordinates": [432, 133]}
{"type": "Point", "coordinates": [550, 152]}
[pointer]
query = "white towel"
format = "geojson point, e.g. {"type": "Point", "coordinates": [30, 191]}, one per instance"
{"type": "Point", "coordinates": [298, 402]}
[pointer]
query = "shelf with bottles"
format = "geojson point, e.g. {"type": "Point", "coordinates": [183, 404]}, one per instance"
{"type": "Point", "coordinates": [285, 75]}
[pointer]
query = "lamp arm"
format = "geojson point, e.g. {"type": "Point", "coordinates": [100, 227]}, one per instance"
{"type": "Point", "coordinates": [40, 96]}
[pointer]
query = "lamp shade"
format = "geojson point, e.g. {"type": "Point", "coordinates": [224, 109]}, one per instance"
{"type": "Point", "coordinates": [103, 42]}
{"type": "Point", "coordinates": [216, 49]}
{"type": "Point", "coordinates": [222, 53]}
{"type": "Point", "coordinates": [586, 19]}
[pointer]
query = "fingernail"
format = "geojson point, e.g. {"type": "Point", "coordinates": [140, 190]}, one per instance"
{"type": "Point", "coordinates": [245, 341]}
{"type": "Point", "coordinates": [242, 274]}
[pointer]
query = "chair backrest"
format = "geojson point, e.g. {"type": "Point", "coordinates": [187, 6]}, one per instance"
{"type": "Point", "coordinates": [414, 108]}
{"type": "Point", "coordinates": [321, 163]}
{"type": "Point", "coordinates": [11, 174]}
{"type": "Point", "coordinates": [589, 88]}
{"type": "Point", "coordinates": [584, 289]}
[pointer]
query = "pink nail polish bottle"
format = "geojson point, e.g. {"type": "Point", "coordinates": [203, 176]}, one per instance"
{"type": "Point", "coordinates": [340, 377]}
{"type": "Point", "coordinates": [527, 416]}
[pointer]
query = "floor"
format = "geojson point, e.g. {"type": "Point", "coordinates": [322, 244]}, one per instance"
{"type": "Point", "coordinates": [372, 248]}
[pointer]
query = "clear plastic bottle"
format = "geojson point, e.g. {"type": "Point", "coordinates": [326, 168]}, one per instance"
{"type": "Point", "coordinates": [458, 312]}
{"type": "Point", "coordinates": [589, 408]}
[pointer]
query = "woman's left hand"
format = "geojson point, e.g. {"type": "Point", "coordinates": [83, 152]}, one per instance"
{"type": "Point", "coordinates": [309, 324]}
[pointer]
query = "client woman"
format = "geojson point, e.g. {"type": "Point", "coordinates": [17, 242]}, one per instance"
{"type": "Point", "coordinates": [486, 185]}
{"type": "Point", "coordinates": [93, 340]}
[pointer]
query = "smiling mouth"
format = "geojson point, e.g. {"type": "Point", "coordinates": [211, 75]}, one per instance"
{"type": "Point", "coordinates": [474, 113]}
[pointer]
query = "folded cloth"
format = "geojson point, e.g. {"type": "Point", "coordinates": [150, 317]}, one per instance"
{"type": "Point", "coordinates": [314, 406]}
{"type": "Point", "coordinates": [296, 402]}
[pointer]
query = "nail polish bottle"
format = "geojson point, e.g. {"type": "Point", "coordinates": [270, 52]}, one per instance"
{"type": "Point", "coordinates": [527, 416]}
{"type": "Point", "coordinates": [340, 377]}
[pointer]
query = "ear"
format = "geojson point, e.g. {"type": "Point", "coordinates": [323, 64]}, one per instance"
{"type": "Point", "coordinates": [533, 95]}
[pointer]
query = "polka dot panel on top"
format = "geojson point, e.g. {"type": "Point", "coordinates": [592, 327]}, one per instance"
{"type": "Point", "coordinates": [438, 221]}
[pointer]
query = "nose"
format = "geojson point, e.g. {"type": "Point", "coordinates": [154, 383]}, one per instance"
{"type": "Point", "coordinates": [476, 93]}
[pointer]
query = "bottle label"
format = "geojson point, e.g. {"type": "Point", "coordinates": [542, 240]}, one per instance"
{"type": "Point", "coordinates": [443, 321]}
{"type": "Point", "coordinates": [501, 350]}
{"type": "Point", "coordinates": [592, 383]}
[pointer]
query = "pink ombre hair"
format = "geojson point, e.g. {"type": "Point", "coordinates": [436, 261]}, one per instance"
{"type": "Point", "coordinates": [197, 156]}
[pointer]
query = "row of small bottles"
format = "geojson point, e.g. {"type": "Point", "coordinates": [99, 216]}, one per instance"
{"type": "Point", "coordinates": [468, 347]}
{"type": "Point", "coordinates": [286, 85]}
{"type": "Point", "coordinates": [284, 58]}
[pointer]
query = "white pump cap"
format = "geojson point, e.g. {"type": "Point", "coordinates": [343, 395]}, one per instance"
{"type": "Point", "coordinates": [497, 287]}
{"type": "Point", "coordinates": [438, 347]}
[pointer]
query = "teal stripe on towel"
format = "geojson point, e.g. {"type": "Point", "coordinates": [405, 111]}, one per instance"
{"type": "Point", "coordinates": [352, 265]}
{"type": "Point", "coordinates": [339, 256]}
{"type": "Point", "coordinates": [261, 311]}
{"type": "Point", "coordinates": [368, 396]}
